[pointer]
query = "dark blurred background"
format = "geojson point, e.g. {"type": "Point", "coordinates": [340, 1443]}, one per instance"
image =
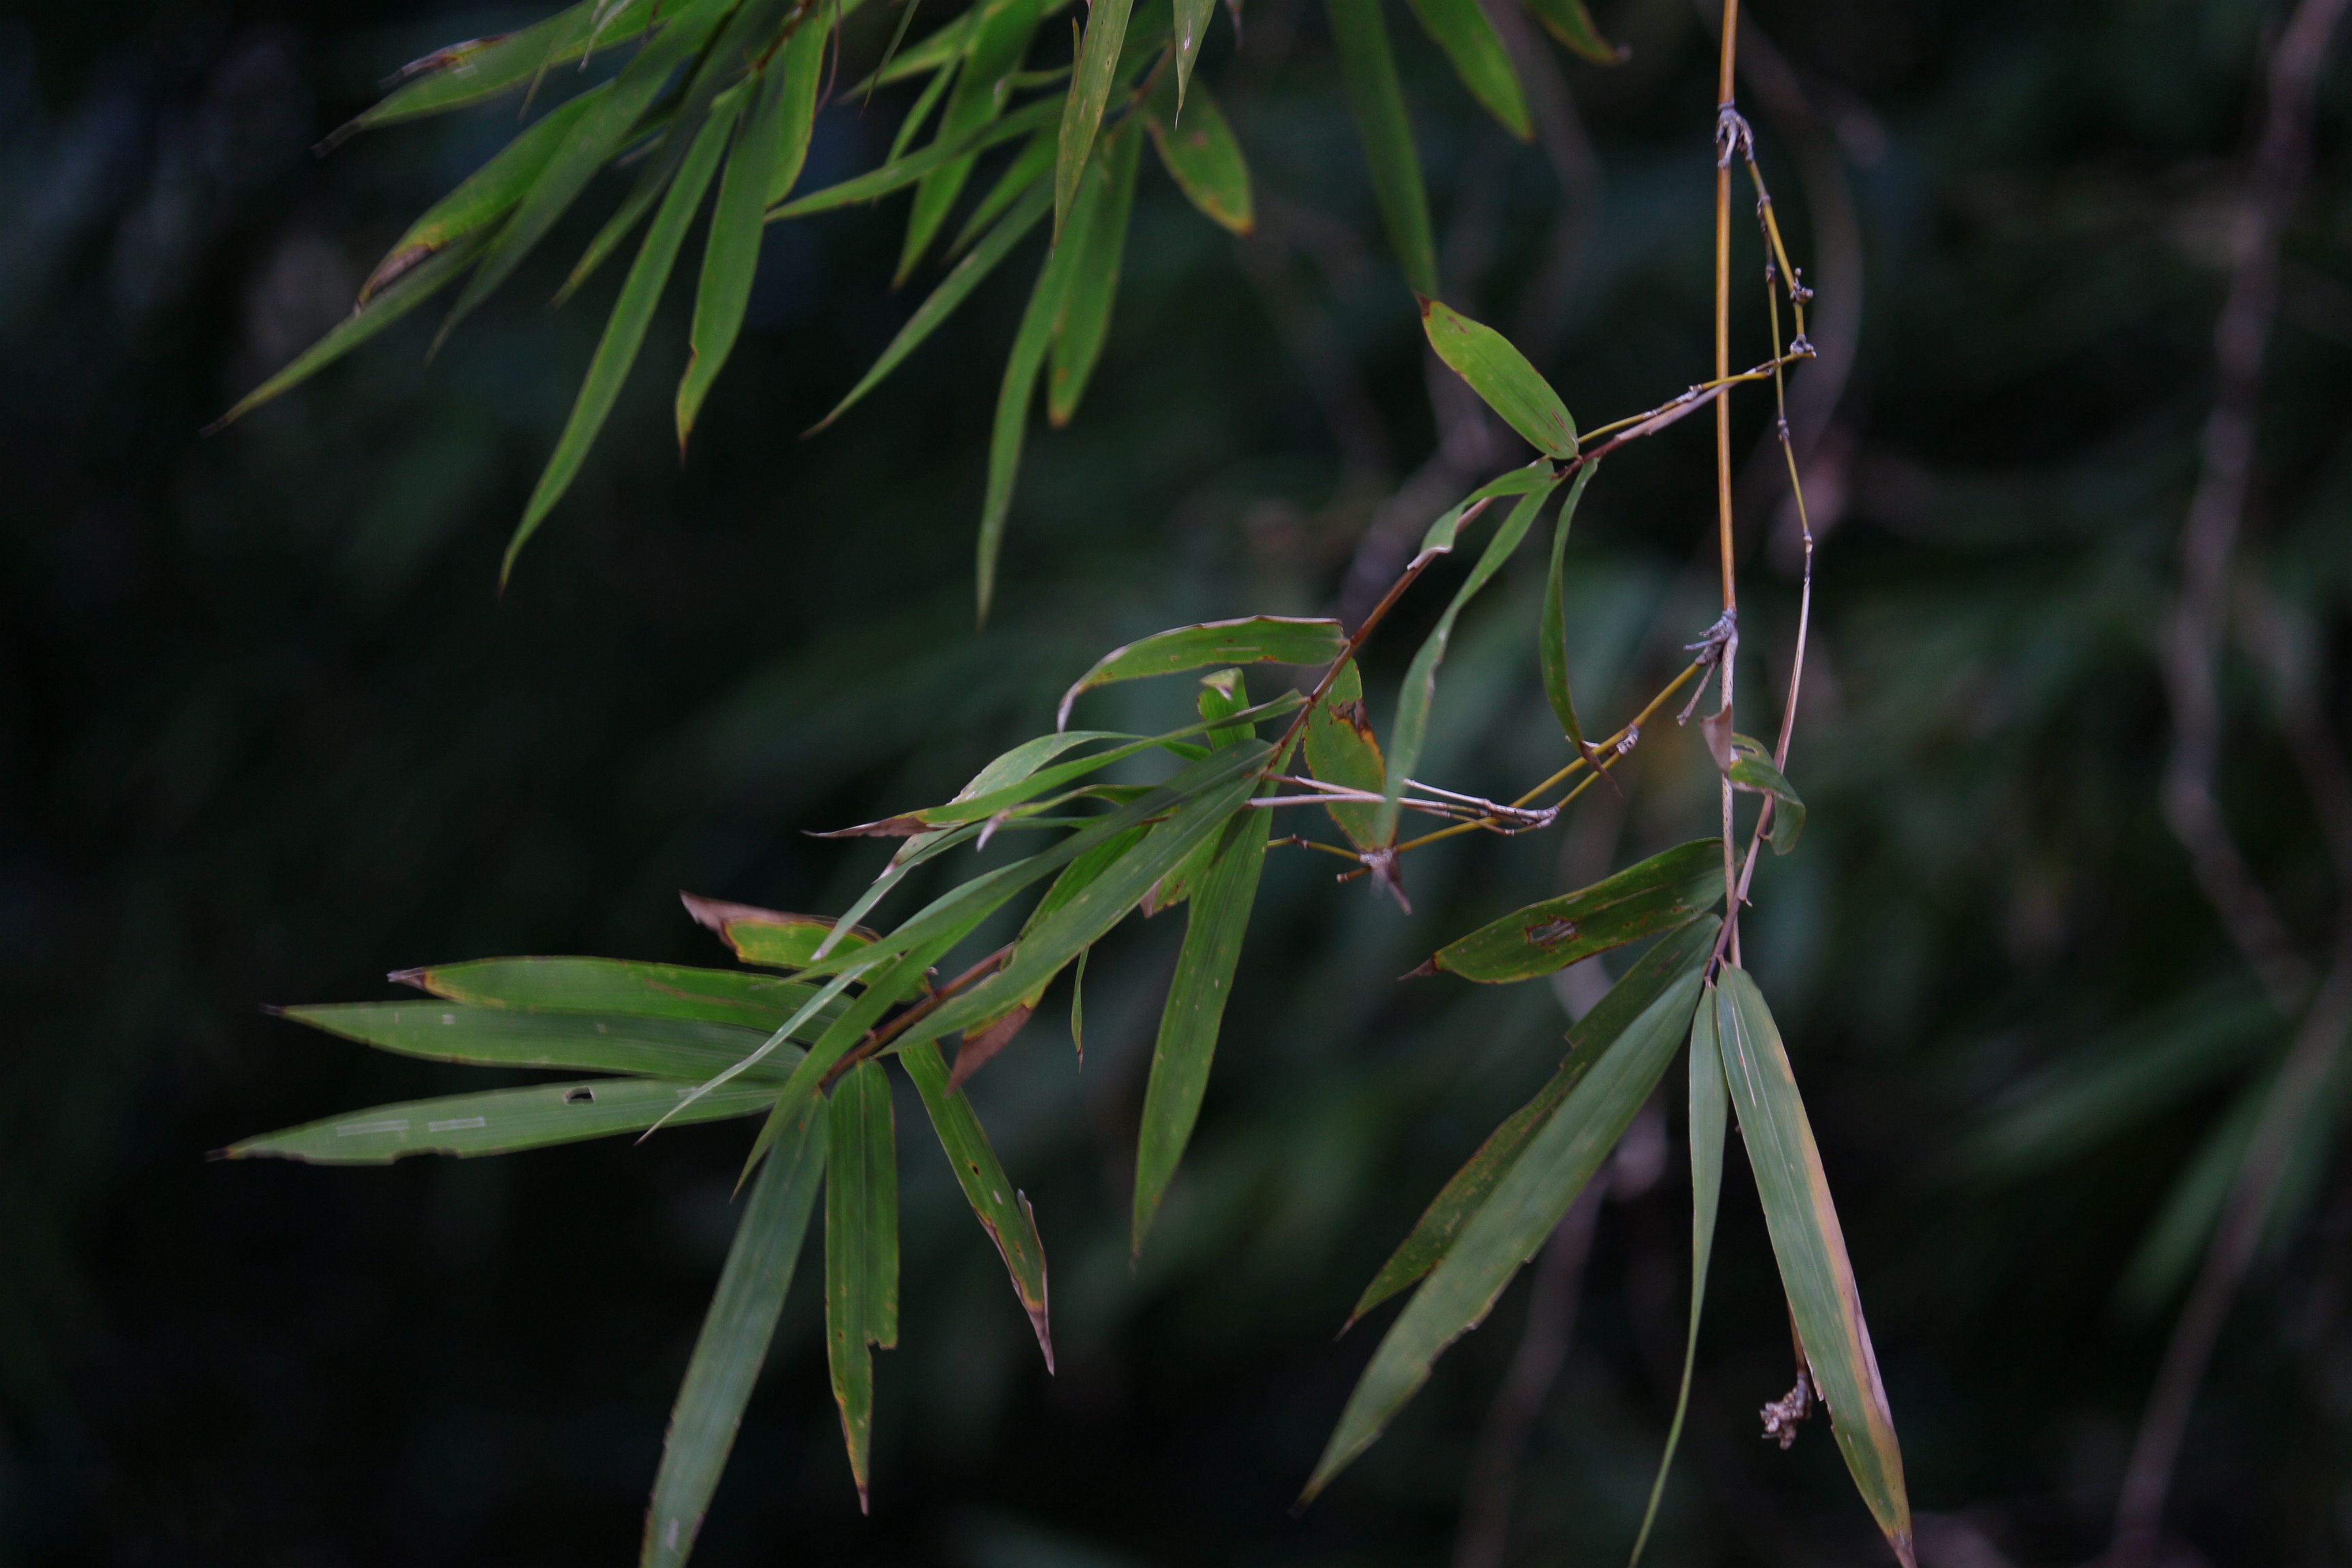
{"type": "Point", "coordinates": [267, 733]}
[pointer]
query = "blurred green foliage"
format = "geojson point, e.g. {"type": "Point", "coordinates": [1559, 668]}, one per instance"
{"type": "Point", "coordinates": [267, 733]}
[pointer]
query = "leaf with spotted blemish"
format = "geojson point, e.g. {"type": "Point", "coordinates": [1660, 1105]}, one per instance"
{"type": "Point", "coordinates": [1643, 899]}
{"type": "Point", "coordinates": [1002, 1210]}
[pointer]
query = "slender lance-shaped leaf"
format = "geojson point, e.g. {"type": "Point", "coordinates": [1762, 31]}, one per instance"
{"type": "Point", "coordinates": [759, 1002]}
{"type": "Point", "coordinates": [1252, 639]}
{"type": "Point", "coordinates": [981, 85]}
{"type": "Point", "coordinates": [1341, 749]}
{"type": "Point", "coordinates": [1002, 1208]}
{"type": "Point", "coordinates": [1031, 342]}
{"type": "Point", "coordinates": [1572, 23]}
{"type": "Point", "coordinates": [1551, 635]}
{"type": "Point", "coordinates": [1420, 689]}
{"type": "Point", "coordinates": [1656, 895]}
{"type": "Point", "coordinates": [1082, 112]}
{"type": "Point", "coordinates": [771, 937]}
{"type": "Point", "coordinates": [1024, 175]}
{"type": "Point", "coordinates": [1709, 1110]}
{"type": "Point", "coordinates": [730, 255]}
{"type": "Point", "coordinates": [951, 292]}
{"type": "Point", "coordinates": [1683, 953]}
{"type": "Point", "coordinates": [802, 64]}
{"type": "Point", "coordinates": [1361, 40]}
{"type": "Point", "coordinates": [624, 333]}
{"type": "Point", "coordinates": [469, 73]}
{"type": "Point", "coordinates": [1094, 280]}
{"type": "Point", "coordinates": [387, 305]}
{"type": "Point", "coordinates": [1751, 770]}
{"type": "Point", "coordinates": [1810, 1249]}
{"type": "Point", "coordinates": [588, 1042]}
{"type": "Point", "coordinates": [900, 173]}
{"type": "Point", "coordinates": [861, 1253]}
{"type": "Point", "coordinates": [1501, 375]}
{"type": "Point", "coordinates": [734, 1340]}
{"type": "Point", "coordinates": [1195, 1009]}
{"type": "Point", "coordinates": [1203, 157]}
{"type": "Point", "coordinates": [1193, 18]}
{"type": "Point", "coordinates": [1470, 41]}
{"type": "Point", "coordinates": [1526, 1205]}
{"type": "Point", "coordinates": [502, 1121]}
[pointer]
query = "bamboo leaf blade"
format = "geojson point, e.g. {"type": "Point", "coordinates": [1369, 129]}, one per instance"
{"type": "Point", "coordinates": [772, 937]}
{"type": "Point", "coordinates": [1250, 639]}
{"type": "Point", "coordinates": [734, 1340]}
{"type": "Point", "coordinates": [1189, 1023]}
{"type": "Point", "coordinates": [1551, 634]}
{"type": "Point", "coordinates": [1810, 1248]}
{"type": "Point", "coordinates": [1752, 770]}
{"type": "Point", "coordinates": [980, 87]}
{"type": "Point", "coordinates": [1369, 65]}
{"type": "Point", "coordinates": [1192, 24]}
{"type": "Point", "coordinates": [1091, 83]}
{"type": "Point", "coordinates": [861, 1254]}
{"type": "Point", "coordinates": [1500, 374]}
{"type": "Point", "coordinates": [1681, 952]}
{"type": "Point", "coordinates": [1092, 285]}
{"type": "Point", "coordinates": [471, 73]}
{"type": "Point", "coordinates": [1342, 750]}
{"type": "Point", "coordinates": [1205, 158]}
{"type": "Point", "coordinates": [1461, 29]}
{"type": "Point", "coordinates": [1024, 175]}
{"type": "Point", "coordinates": [900, 173]}
{"type": "Point", "coordinates": [1571, 23]}
{"type": "Point", "coordinates": [386, 306]}
{"type": "Point", "coordinates": [730, 254]}
{"type": "Point", "coordinates": [1003, 1211]}
{"type": "Point", "coordinates": [1031, 344]}
{"type": "Point", "coordinates": [585, 1042]}
{"type": "Point", "coordinates": [759, 1002]}
{"type": "Point", "coordinates": [1643, 899]}
{"type": "Point", "coordinates": [803, 64]}
{"type": "Point", "coordinates": [1526, 1205]}
{"type": "Point", "coordinates": [502, 1121]}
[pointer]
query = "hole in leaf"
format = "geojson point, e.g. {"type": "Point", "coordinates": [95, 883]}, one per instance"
{"type": "Point", "coordinates": [578, 1096]}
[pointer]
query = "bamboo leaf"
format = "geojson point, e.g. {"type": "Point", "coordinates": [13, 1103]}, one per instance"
{"type": "Point", "coordinates": [981, 85]}
{"type": "Point", "coordinates": [1191, 18]}
{"type": "Point", "coordinates": [623, 334]}
{"type": "Point", "coordinates": [1710, 1110]}
{"type": "Point", "coordinates": [1031, 342]}
{"type": "Point", "coordinates": [1501, 375]}
{"type": "Point", "coordinates": [900, 173]}
{"type": "Point", "coordinates": [734, 1341]}
{"type": "Point", "coordinates": [470, 73]}
{"type": "Point", "coordinates": [861, 1253]}
{"type": "Point", "coordinates": [1470, 41]}
{"type": "Point", "coordinates": [1572, 24]}
{"type": "Point", "coordinates": [1751, 770]}
{"type": "Point", "coordinates": [759, 1002]}
{"type": "Point", "coordinates": [1252, 639]}
{"type": "Point", "coordinates": [1341, 749]}
{"type": "Point", "coordinates": [770, 937]}
{"type": "Point", "coordinates": [1195, 1009]}
{"type": "Point", "coordinates": [1656, 895]}
{"type": "Point", "coordinates": [1090, 84]}
{"type": "Point", "coordinates": [1093, 284]}
{"type": "Point", "coordinates": [1002, 1208]}
{"type": "Point", "coordinates": [588, 1042]}
{"type": "Point", "coordinates": [1023, 176]}
{"type": "Point", "coordinates": [1552, 636]}
{"type": "Point", "coordinates": [502, 1121]}
{"type": "Point", "coordinates": [1810, 1249]}
{"type": "Point", "coordinates": [1527, 1204]}
{"type": "Point", "coordinates": [1361, 40]}
{"type": "Point", "coordinates": [951, 292]}
{"type": "Point", "coordinates": [802, 64]}
{"type": "Point", "coordinates": [1202, 156]}
{"type": "Point", "coordinates": [730, 255]}
{"type": "Point", "coordinates": [1681, 952]}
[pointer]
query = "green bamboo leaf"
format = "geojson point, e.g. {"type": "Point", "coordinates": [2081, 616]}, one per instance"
{"type": "Point", "coordinates": [502, 1121]}
{"type": "Point", "coordinates": [734, 1341]}
{"type": "Point", "coordinates": [1526, 1205]}
{"type": "Point", "coordinates": [802, 64]}
{"type": "Point", "coordinates": [730, 255]}
{"type": "Point", "coordinates": [654, 174]}
{"type": "Point", "coordinates": [980, 87]}
{"type": "Point", "coordinates": [1021, 177]}
{"type": "Point", "coordinates": [1195, 1009]}
{"type": "Point", "coordinates": [1551, 635]}
{"type": "Point", "coordinates": [487, 195]}
{"type": "Point", "coordinates": [759, 1002]}
{"type": "Point", "coordinates": [1751, 770]}
{"type": "Point", "coordinates": [1470, 41]}
{"type": "Point", "coordinates": [1031, 340]}
{"type": "Point", "coordinates": [1080, 873]}
{"type": "Point", "coordinates": [1093, 284]}
{"type": "Point", "coordinates": [1091, 83]}
{"type": "Point", "coordinates": [389, 304]}
{"type": "Point", "coordinates": [1710, 1111]}
{"type": "Point", "coordinates": [1810, 1249]}
{"type": "Point", "coordinates": [1002, 1208]}
{"type": "Point", "coordinates": [1420, 689]}
{"type": "Point", "coordinates": [623, 334]}
{"type": "Point", "coordinates": [599, 135]}
{"type": "Point", "coordinates": [1656, 895]}
{"type": "Point", "coordinates": [1251, 639]}
{"type": "Point", "coordinates": [1681, 952]}
{"type": "Point", "coordinates": [951, 292]}
{"type": "Point", "coordinates": [589, 1042]}
{"type": "Point", "coordinates": [1341, 749]}
{"type": "Point", "coordinates": [1501, 374]}
{"type": "Point", "coordinates": [938, 50]}
{"type": "Point", "coordinates": [470, 73]}
{"type": "Point", "coordinates": [1361, 40]}
{"type": "Point", "coordinates": [935, 92]}
{"type": "Point", "coordinates": [771, 937]}
{"type": "Point", "coordinates": [1191, 19]}
{"type": "Point", "coordinates": [1572, 23]}
{"type": "Point", "coordinates": [861, 1253]}
{"type": "Point", "coordinates": [1203, 155]}
{"type": "Point", "coordinates": [1222, 696]}
{"type": "Point", "coordinates": [900, 173]}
